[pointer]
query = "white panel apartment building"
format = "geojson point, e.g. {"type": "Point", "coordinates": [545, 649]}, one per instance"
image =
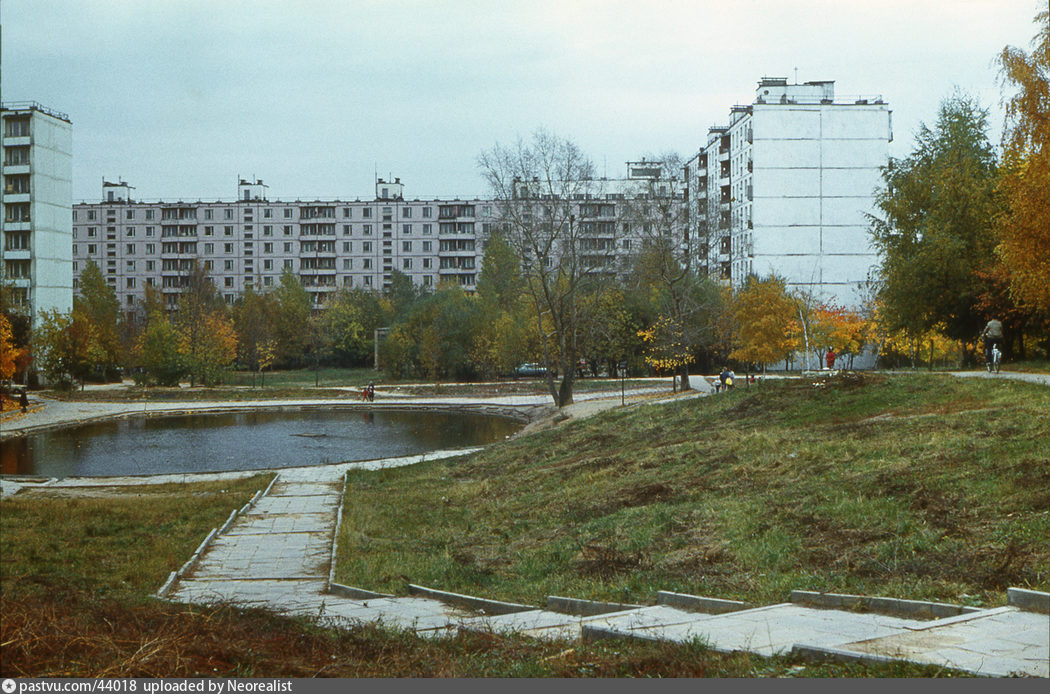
{"type": "Point", "coordinates": [328, 244]}
{"type": "Point", "coordinates": [36, 199]}
{"type": "Point", "coordinates": [785, 186]}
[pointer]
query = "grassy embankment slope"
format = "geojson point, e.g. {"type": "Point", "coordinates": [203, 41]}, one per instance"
{"type": "Point", "coordinates": [923, 487]}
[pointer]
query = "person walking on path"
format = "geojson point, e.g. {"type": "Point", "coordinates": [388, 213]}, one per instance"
{"type": "Point", "coordinates": [23, 400]}
{"type": "Point", "coordinates": [992, 334]}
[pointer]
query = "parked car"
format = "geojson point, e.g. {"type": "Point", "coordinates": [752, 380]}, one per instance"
{"type": "Point", "coordinates": [530, 370]}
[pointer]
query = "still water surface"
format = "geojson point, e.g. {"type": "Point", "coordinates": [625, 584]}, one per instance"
{"type": "Point", "coordinates": [243, 441]}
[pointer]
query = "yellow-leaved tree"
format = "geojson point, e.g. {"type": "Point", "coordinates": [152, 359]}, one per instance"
{"type": "Point", "coordinates": [1024, 228]}
{"type": "Point", "coordinates": [767, 330]}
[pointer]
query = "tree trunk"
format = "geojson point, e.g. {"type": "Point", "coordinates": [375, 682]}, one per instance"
{"type": "Point", "coordinates": [684, 378]}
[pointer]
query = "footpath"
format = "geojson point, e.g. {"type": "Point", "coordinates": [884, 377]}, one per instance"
{"type": "Point", "coordinates": [278, 552]}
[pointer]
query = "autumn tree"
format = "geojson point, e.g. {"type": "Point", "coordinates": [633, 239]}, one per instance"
{"type": "Point", "coordinates": [97, 303]}
{"type": "Point", "coordinates": [204, 330]}
{"type": "Point", "coordinates": [1024, 228]}
{"type": "Point", "coordinates": [935, 232]}
{"type": "Point", "coordinates": [502, 339]}
{"type": "Point", "coordinates": [66, 347]}
{"type": "Point", "coordinates": [253, 319]}
{"type": "Point", "coordinates": [767, 322]}
{"type": "Point", "coordinates": [536, 185]}
{"type": "Point", "coordinates": [207, 354]}
{"type": "Point", "coordinates": [9, 353]}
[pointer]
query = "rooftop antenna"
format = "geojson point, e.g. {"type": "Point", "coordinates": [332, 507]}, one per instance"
{"type": "Point", "coordinates": [796, 75]}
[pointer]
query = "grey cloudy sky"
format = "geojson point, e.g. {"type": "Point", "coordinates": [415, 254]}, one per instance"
{"type": "Point", "coordinates": [179, 97]}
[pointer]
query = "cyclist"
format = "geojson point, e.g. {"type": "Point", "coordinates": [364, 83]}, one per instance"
{"type": "Point", "coordinates": [992, 333]}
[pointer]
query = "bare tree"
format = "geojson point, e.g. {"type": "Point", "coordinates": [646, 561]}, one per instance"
{"type": "Point", "coordinates": [545, 190]}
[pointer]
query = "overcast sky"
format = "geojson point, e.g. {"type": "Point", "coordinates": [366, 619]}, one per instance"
{"type": "Point", "coordinates": [180, 97]}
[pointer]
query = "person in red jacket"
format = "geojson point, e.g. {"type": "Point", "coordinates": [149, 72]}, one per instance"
{"type": "Point", "coordinates": [830, 358]}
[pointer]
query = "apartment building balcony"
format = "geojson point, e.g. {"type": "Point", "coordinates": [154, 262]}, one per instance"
{"type": "Point", "coordinates": [20, 282]}
{"type": "Point", "coordinates": [17, 254]}
{"type": "Point", "coordinates": [12, 198]}
{"type": "Point", "coordinates": [16, 169]}
{"type": "Point", "coordinates": [19, 225]}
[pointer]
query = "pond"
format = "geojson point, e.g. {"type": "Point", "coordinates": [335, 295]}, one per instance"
{"type": "Point", "coordinates": [243, 441]}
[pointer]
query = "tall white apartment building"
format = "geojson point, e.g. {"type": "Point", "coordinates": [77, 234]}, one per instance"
{"type": "Point", "coordinates": [36, 199]}
{"type": "Point", "coordinates": [785, 187]}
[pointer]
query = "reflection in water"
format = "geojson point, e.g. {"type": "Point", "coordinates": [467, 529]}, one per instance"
{"type": "Point", "coordinates": [242, 441]}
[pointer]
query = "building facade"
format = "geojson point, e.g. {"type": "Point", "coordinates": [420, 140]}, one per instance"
{"type": "Point", "coordinates": [250, 241]}
{"type": "Point", "coordinates": [785, 188]}
{"type": "Point", "coordinates": [327, 244]}
{"type": "Point", "coordinates": [36, 200]}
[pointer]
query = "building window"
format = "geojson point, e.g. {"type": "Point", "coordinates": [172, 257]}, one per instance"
{"type": "Point", "coordinates": [267, 213]}
{"type": "Point", "coordinates": [366, 212]}
{"type": "Point", "coordinates": [227, 248]}
{"type": "Point", "coordinates": [130, 231]}
{"type": "Point", "coordinates": [130, 283]}
{"type": "Point", "coordinates": [426, 229]}
{"type": "Point", "coordinates": [348, 264]}
{"type": "Point", "coordinates": [426, 263]}
{"type": "Point", "coordinates": [209, 248]}
{"type": "Point", "coordinates": [149, 231]}
{"type": "Point", "coordinates": [287, 231]}
{"type": "Point", "coordinates": [406, 228]}
{"type": "Point", "coordinates": [227, 231]}
{"type": "Point", "coordinates": [346, 213]}
{"type": "Point", "coordinates": [227, 213]}
{"type": "Point", "coordinates": [130, 214]}
{"type": "Point", "coordinates": [92, 249]}
{"type": "Point", "coordinates": [366, 263]}
{"type": "Point", "coordinates": [428, 280]}
{"type": "Point", "coordinates": [346, 230]}
{"type": "Point", "coordinates": [130, 249]}
{"type": "Point", "coordinates": [288, 248]}
{"type": "Point", "coordinates": [406, 246]}
{"type": "Point", "coordinates": [151, 249]}
{"type": "Point", "coordinates": [149, 214]}
{"type": "Point", "coordinates": [92, 231]}
{"type": "Point", "coordinates": [209, 264]}
{"type": "Point", "coordinates": [288, 264]}
{"type": "Point", "coordinates": [267, 248]}
{"type": "Point", "coordinates": [426, 246]}
{"type": "Point", "coordinates": [267, 264]}
{"type": "Point", "coordinates": [348, 247]}
{"type": "Point", "coordinates": [91, 215]}
{"type": "Point", "coordinates": [367, 230]}
{"type": "Point", "coordinates": [406, 264]}
{"type": "Point", "coordinates": [366, 246]}
{"type": "Point", "coordinates": [268, 281]}
{"type": "Point", "coordinates": [229, 281]}
{"type": "Point", "coordinates": [208, 213]}
{"type": "Point", "coordinates": [426, 212]}
{"type": "Point", "coordinates": [287, 213]}
{"type": "Point", "coordinates": [368, 281]}
{"type": "Point", "coordinates": [267, 231]}
{"type": "Point", "coordinates": [227, 265]}
{"type": "Point", "coordinates": [75, 247]}
{"type": "Point", "coordinates": [150, 265]}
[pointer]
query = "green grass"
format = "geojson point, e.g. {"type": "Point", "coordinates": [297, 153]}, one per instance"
{"type": "Point", "coordinates": [123, 543]}
{"type": "Point", "coordinates": [304, 378]}
{"type": "Point", "coordinates": [77, 575]}
{"type": "Point", "coordinates": [919, 486]}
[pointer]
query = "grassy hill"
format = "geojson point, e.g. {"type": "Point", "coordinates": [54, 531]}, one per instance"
{"type": "Point", "coordinates": [918, 486]}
